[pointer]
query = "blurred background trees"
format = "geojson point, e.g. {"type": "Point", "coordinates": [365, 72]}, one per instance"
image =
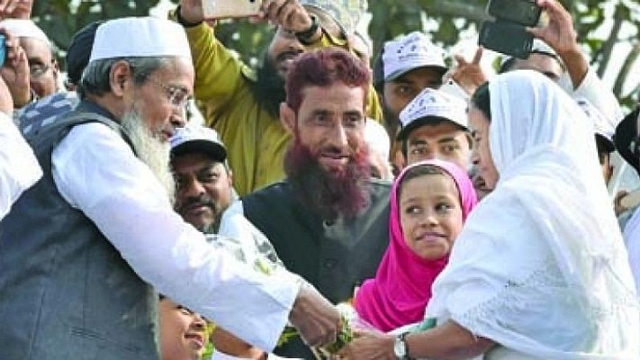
{"type": "Point", "coordinates": [609, 30]}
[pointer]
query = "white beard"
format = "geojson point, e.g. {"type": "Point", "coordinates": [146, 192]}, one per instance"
{"type": "Point", "coordinates": [151, 150]}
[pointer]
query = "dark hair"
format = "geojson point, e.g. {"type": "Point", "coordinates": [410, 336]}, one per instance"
{"type": "Point", "coordinates": [378, 72]}
{"type": "Point", "coordinates": [96, 78]}
{"type": "Point", "coordinates": [418, 171]}
{"type": "Point", "coordinates": [79, 51]}
{"type": "Point", "coordinates": [323, 68]}
{"type": "Point", "coordinates": [268, 89]}
{"type": "Point", "coordinates": [508, 64]}
{"type": "Point", "coordinates": [481, 100]}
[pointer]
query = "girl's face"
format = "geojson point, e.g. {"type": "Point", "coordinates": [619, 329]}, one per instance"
{"type": "Point", "coordinates": [430, 215]}
{"type": "Point", "coordinates": [182, 332]}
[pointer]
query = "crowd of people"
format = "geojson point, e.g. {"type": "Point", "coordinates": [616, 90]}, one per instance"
{"type": "Point", "coordinates": [457, 214]}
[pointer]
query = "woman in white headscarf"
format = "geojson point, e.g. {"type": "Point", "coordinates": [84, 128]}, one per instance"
{"type": "Point", "coordinates": [539, 270]}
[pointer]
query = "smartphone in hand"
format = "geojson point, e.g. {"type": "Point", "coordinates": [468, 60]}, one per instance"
{"type": "Point", "coordinates": [220, 9]}
{"type": "Point", "coordinates": [506, 38]}
{"type": "Point", "coordinates": [523, 12]}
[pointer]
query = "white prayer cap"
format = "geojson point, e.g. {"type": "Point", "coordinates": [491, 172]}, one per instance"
{"type": "Point", "coordinates": [140, 37]}
{"type": "Point", "coordinates": [432, 105]}
{"type": "Point", "coordinates": [25, 28]}
{"type": "Point", "coordinates": [409, 52]}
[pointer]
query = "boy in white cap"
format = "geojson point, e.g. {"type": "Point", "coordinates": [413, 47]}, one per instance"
{"type": "Point", "coordinates": [85, 249]}
{"type": "Point", "coordinates": [434, 126]}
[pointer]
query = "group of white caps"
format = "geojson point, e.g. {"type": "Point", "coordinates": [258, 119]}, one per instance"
{"type": "Point", "coordinates": [415, 50]}
{"type": "Point", "coordinates": [161, 37]}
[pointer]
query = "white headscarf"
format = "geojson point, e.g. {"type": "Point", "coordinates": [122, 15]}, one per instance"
{"type": "Point", "coordinates": [540, 266]}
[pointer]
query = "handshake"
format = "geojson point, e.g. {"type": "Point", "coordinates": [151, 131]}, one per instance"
{"type": "Point", "coordinates": [318, 322]}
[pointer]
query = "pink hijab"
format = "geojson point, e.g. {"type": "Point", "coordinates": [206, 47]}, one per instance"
{"type": "Point", "coordinates": [399, 293]}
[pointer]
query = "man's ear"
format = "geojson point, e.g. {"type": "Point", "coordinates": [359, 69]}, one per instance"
{"type": "Point", "coordinates": [120, 77]}
{"type": "Point", "coordinates": [287, 117]}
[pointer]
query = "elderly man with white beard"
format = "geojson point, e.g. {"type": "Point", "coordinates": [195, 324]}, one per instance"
{"type": "Point", "coordinates": [84, 250]}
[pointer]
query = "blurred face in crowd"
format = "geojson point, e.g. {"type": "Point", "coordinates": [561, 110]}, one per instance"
{"type": "Point", "coordinates": [400, 91]}
{"type": "Point", "coordinates": [379, 165]}
{"type": "Point", "coordinates": [481, 155]}
{"type": "Point", "coordinates": [43, 67]}
{"type": "Point", "coordinates": [544, 64]}
{"type": "Point", "coordinates": [441, 140]}
{"type": "Point", "coordinates": [430, 214]}
{"type": "Point", "coordinates": [360, 48]}
{"type": "Point", "coordinates": [182, 332]}
{"type": "Point", "coordinates": [329, 153]}
{"type": "Point", "coordinates": [204, 189]}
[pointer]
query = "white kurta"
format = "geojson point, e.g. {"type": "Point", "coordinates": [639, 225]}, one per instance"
{"type": "Point", "coordinates": [96, 172]}
{"type": "Point", "coordinates": [632, 241]}
{"type": "Point", "coordinates": [19, 167]}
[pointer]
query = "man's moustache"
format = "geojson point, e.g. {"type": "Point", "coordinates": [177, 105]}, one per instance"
{"type": "Point", "coordinates": [193, 203]}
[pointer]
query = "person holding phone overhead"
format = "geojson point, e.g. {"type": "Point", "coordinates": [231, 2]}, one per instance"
{"type": "Point", "coordinates": [242, 105]}
{"type": "Point", "coordinates": [539, 270]}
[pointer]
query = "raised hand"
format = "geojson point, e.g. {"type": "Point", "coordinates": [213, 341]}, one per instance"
{"type": "Point", "coordinates": [191, 11]}
{"type": "Point", "coordinates": [559, 32]}
{"type": "Point", "coordinates": [468, 74]}
{"type": "Point", "coordinates": [15, 9]}
{"type": "Point", "coordinates": [15, 70]}
{"type": "Point", "coordinates": [289, 14]}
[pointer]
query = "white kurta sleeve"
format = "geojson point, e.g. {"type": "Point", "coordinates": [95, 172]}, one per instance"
{"type": "Point", "coordinates": [97, 172]}
{"type": "Point", "coordinates": [597, 93]}
{"type": "Point", "coordinates": [632, 241]}
{"type": "Point", "coordinates": [19, 168]}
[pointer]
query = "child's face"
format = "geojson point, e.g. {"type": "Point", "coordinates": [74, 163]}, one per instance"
{"type": "Point", "coordinates": [430, 215]}
{"type": "Point", "coordinates": [182, 332]}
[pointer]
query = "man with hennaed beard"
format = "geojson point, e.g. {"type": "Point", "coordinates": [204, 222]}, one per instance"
{"type": "Point", "coordinates": [328, 219]}
{"type": "Point", "coordinates": [243, 105]}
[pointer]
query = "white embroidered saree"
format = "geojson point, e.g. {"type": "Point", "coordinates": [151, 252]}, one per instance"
{"type": "Point", "coordinates": [540, 266]}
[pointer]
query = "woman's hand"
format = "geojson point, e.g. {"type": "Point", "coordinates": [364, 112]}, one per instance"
{"type": "Point", "coordinates": [369, 345]}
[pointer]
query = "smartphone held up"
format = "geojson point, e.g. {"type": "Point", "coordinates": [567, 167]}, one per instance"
{"type": "Point", "coordinates": [508, 33]}
{"type": "Point", "coordinates": [221, 9]}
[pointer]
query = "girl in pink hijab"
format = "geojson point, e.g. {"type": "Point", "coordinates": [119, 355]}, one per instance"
{"type": "Point", "coordinates": [430, 201]}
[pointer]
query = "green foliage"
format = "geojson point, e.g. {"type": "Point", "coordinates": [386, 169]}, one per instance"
{"type": "Point", "coordinates": [60, 18]}
{"type": "Point", "coordinates": [390, 18]}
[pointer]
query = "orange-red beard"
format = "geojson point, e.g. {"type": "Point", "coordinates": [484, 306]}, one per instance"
{"type": "Point", "coordinates": [330, 194]}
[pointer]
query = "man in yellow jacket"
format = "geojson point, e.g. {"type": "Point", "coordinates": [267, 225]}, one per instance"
{"type": "Point", "coordinates": [244, 106]}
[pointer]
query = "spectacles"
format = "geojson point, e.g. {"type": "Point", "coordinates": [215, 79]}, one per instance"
{"type": "Point", "coordinates": [177, 96]}
{"type": "Point", "coordinates": [37, 70]}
